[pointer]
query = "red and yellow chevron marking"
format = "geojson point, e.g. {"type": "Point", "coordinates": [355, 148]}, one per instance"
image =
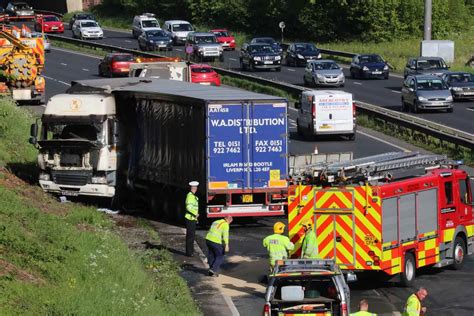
{"type": "Point", "coordinates": [39, 50]}
{"type": "Point", "coordinates": [428, 249]}
{"type": "Point", "coordinates": [448, 235]}
{"type": "Point", "coordinates": [300, 208]}
{"type": "Point", "coordinates": [391, 259]}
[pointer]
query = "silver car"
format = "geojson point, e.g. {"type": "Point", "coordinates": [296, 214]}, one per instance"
{"type": "Point", "coordinates": [425, 92]}
{"type": "Point", "coordinates": [200, 46]}
{"type": "Point", "coordinates": [323, 72]}
{"type": "Point", "coordinates": [46, 43]}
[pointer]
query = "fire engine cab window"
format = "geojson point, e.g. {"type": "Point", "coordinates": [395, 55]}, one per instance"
{"type": "Point", "coordinates": [464, 192]}
{"type": "Point", "coordinates": [448, 191]}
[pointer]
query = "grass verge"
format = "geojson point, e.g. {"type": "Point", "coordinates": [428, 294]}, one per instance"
{"type": "Point", "coordinates": [74, 47]}
{"type": "Point", "coordinates": [256, 87]}
{"type": "Point", "coordinates": [67, 259]}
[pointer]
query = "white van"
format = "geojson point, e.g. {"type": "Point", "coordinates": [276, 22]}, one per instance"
{"type": "Point", "coordinates": [178, 29]}
{"type": "Point", "coordinates": [326, 112]}
{"type": "Point", "coordinates": [144, 22]}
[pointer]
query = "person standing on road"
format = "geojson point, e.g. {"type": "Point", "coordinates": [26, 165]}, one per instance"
{"type": "Point", "coordinates": [277, 244]}
{"type": "Point", "coordinates": [191, 217]}
{"type": "Point", "coordinates": [413, 306]}
{"type": "Point", "coordinates": [363, 309]}
{"type": "Point", "coordinates": [217, 241]}
{"type": "Point", "coordinates": [309, 248]}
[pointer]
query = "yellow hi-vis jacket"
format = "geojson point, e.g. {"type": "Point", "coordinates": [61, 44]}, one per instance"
{"type": "Point", "coordinates": [309, 249]}
{"type": "Point", "coordinates": [413, 306]}
{"type": "Point", "coordinates": [363, 313]}
{"type": "Point", "coordinates": [192, 207]}
{"type": "Point", "coordinates": [278, 247]}
{"type": "Point", "coordinates": [219, 232]}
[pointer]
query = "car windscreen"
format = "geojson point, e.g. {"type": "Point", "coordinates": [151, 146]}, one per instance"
{"type": "Point", "coordinates": [202, 70]}
{"type": "Point", "coordinates": [265, 40]}
{"type": "Point", "coordinates": [326, 66]}
{"type": "Point", "coordinates": [314, 287]}
{"type": "Point", "coordinates": [462, 78]}
{"type": "Point", "coordinates": [430, 84]}
{"type": "Point", "coordinates": [123, 58]}
{"type": "Point", "coordinates": [89, 24]}
{"type": "Point", "coordinates": [221, 33]}
{"type": "Point", "coordinates": [261, 49]}
{"type": "Point", "coordinates": [150, 23]}
{"type": "Point", "coordinates": [50, 19]}
{"type": "Point", "coordinates": [206, 39]}
{"type": "Point", "coordinates": [84, 17]}
{"type": "Point", "coordinates": [431, 64]}
{"type": "Point", "coordinates": [156, 34]}
{"type": "Point", "coordinates": [21, 6]}
{"type": "Point", "coordinates": [371, 59]}
{"type": "Point", "coordinates": [182, 27]}
{"type": "Point", "coordinates": [305, 48]}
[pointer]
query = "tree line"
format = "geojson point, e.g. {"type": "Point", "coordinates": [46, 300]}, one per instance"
{"type": "Point", "coordinates": [316, 20]}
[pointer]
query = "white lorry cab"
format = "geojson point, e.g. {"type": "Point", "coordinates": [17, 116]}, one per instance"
{"type": "Point", "coordinates": [326, 112]}
{"type": "Point", "coordinates": [144, 22]}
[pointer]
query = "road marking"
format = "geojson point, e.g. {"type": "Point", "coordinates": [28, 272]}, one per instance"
{"type": "Point", "coordinates": [179, 49]}
{"type": "Point", "coordinates": [77, 53]}
{"type": "Point", "coordinates": [396, 91]}
{"type": "Point", "coordinates": [383, 141]}
{"type": "Point", "coordinates": [63, 64]}
{"type": "Point", "coordinates": [378, 294]}
{"type": "Point", "coordinates": [60, 81]}
{"type": "Point", "coordinates": [289, 69]}
{"type": "Point", "coordinates": [127, 41]}
{"type": "Point", "coordinates": [470, 109]}
{"type": "Point", "coordinates": [85, 69]}
{"type": "Point", "coordinates": [293, 109]}
{"type": "Point", "coordinates": [233, 59]}
{"type": "Point", "coordinates": [358, 83]}
{"type": "Point", "coordinates": [231, 305]}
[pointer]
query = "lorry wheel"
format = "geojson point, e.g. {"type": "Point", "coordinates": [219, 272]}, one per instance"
{"type": "Point", "coordinates": [459, 252]}
{"type": "Point", "coordinates": [407, 277]}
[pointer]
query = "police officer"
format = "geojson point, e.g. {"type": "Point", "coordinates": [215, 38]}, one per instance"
{"type": "Point", "coordinates": [217, 242]}
{"type": "Point", "coordinates": [277, 244]}
{"type": "Point", "coordinates": [191, 217]}
{"type": "Point", "coordinates": [413, 306]}
{"type": "Point", "coordinates": [363, 309]}
{"type": "Point", "coordinates": [309, 249]}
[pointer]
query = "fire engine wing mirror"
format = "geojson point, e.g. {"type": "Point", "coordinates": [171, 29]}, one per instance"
{"type": "Point", "coordinates": [33, 134]}
{"type": "Point", "coordinates": [297, 105]}
{"type": "Point", "coordinates": [351, 277]}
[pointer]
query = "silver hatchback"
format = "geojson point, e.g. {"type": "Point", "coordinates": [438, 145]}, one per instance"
{"type": "Point", "coordinates": [426, 92]}
{"type": "Point", "coordinates": [323, 72]}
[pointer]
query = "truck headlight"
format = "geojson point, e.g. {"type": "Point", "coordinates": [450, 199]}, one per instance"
{"type": "Point", "coordinates": [257, 58]}
{"type": "Point", "coordinates": [44, 177]}
{"type": "Point", "coordinates": [422, 99]}
{"type": "Point", "coordinates": [99, 180]}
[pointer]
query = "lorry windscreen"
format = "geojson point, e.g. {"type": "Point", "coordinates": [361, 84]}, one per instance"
{"type": "Point", "coordinates": [73, 130]}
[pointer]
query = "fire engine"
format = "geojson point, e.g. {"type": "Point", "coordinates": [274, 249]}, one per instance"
{"type": "Point", "coordinates": [394, 212]}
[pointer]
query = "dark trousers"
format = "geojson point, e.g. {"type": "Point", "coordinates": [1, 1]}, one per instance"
{"type": "Point", "coordinates": [190, 236]}
{"type": "Point", "coordinates": [215, 255]}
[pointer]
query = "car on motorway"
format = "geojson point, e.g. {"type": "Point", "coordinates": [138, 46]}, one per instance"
{"type": "Point", "coordinates": [80, 16]}
{"type": "Point", "coordinates": [155, 40]}
{"type": "Point", "coordinates": [298, 54]}
{"type": "Point", "coordinates": [369, 66]}
{"type": "Point", "coordinates": [48, 24]}
{"type": "Point", "coordinates": [116, 64]}
{"type": "Point", "coordinates": [179, 30]}
{"type": "Point", "coordinates": [324, 72]}
{"type": "Point", "coordinates": [461, 84]}
{"type": "Point", "coordinates": [259, 56]}
{"type": "Point", "coordinates": [425, 65]}
{"type": "Point", "coordinates": [85, 29]}
{"type": "Point", "coordinates": [46, 42]}
{"type": "Point", "coordinates": [269, 41]}
{"type": "Point", "coordinates": [307, 287]}
{"type": "Point", "coordinates": [143, 23]}
{"type": "Point", "coordinates": [224, 38]}
{"type": "Point", "coordinates": [426, 92]}
{"type": "Point", "coordinates": [201, 46]}
{"type": "Point", "coordinates": [19, 9]}
{"type": "Point", "coordinates": [204, 74]}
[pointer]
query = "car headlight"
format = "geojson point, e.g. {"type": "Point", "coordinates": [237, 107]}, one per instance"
{"type": "Point", "coordinates": [44, 177]}
{"type": "Point", "coordinates": [99, 180]}
{"type": "Point", "coordinates": [300, 56]}
{"type": "Point", "coordinates": [450, 98]}
{"type": "Point", "coordinates": [232, 41]}
{"type": "Point", "coordinates": [151, 41]}
{"type": "Point", "coordinates": [277, 57]}
{"type": "Point", "coordinates": [319, 56]}
{"type": "Point", "coordinates": [385, 67]}
{"type": "Point", "coordinates": [422, 99]}
{"type": "Point", "coordinates": [320, 76]}
{"type": "Point", "coordinates": [257, 58]}
{"type": "Point", "coordinates": [170, 40]}
{"type": "Point", "coordinates": [341, 75]}
{"type": "Point", "coordinates": [200, 49]}
{"type": "Point", "coordinates": [456, 88]}
{"type": "Point", "coordinates": [365, 68]}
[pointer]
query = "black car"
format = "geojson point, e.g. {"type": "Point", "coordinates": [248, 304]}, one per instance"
{"type": "Point", "coordinates": [259, 56]}
{"type": "Point", "coordinates": [461, 84]}
{"type": "Point", "coordinates": [299, 53]}
{"type": "Point", "coordinates": [267, 40]}
{"type": "Point", "coordinates": [369, 66]}
{"type": "Point", "coordinates": [80, 16]}
{"type": "Point", "coordinates": [156, 39]}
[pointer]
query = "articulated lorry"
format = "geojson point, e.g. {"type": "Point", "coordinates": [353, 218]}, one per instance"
{"type": "Point", "coordinates": [127, 137]}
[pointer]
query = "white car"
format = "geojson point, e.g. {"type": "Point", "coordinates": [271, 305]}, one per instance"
{"type": "Point", "coordinates": [84, 29]}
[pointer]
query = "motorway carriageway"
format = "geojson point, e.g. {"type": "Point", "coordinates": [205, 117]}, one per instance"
{"type": "Point", "coordinates": [385, 93]}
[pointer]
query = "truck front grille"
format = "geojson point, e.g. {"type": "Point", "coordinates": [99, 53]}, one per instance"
{"type": "Point", "coordinates": [71, 177]}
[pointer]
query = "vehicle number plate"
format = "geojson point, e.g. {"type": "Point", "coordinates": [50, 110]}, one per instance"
{"type": "Point", "coordinates": [325, 126]}
{"type": "Point", "coordinates": [54, 27]}
{"type": "Point", "coordinates": [376, 72]}
{"type": "Point", "coordinates": [468, 93]}
{"type": "Point", "coordinates": [161, 46]}
{"type": "Point", "coordinates": [205, 83]}
{"type": "Point", "coordinates": [268, 62]}
{"type": "Point", "coordinates": [247, 198]}
{"type": "Point", "coordinates": [370, 240]}
{"type": "Point", "coordinates": [70, 193]}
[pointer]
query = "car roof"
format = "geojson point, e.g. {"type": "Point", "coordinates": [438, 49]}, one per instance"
{"type": "Point", "coordinates": [219, 30]}
{"type": "Point", "coordinates": [263, 38]}
{"type": "Point", "coordinates": [200, 66]}
{"type": "Point", "coordinates": [305, 273]}
{"type": "Point", "coordinates": [427, 58]}
{"type": "Point", "coordinates": [119, 54]}
{"type": "Point", "coordinates": [84, 21]}
{"type": "Point", "coordinates": [460, 73]}
{"type": "Point", "coordinates": [203, 34]}
{"type": "Point", "coordinates": [303, 43]}
{"type": "Point", "coordinates": [177, 21]}
{"type": "Point", "coordinates": [321, 61]}
{"type": "Point", "coordinates": [360, 55]}
{"type": "Point", "coordinates": [258, 44]}
{"type": "Point", "coordinates": [426, 77]}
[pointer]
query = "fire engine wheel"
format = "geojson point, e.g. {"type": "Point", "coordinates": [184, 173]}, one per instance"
{"type": "Point", "coordinates": [408, 274]}
{"type": "Point", "coordinates": [459, 253]}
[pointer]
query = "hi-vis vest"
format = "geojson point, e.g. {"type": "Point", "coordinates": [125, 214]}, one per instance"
{"type": "Point", "coordinates": [192, 207]}
{"type": "Point", "coordinates": [277, 246]}
{"type": "Point", "coordinates": [309, 248]}
{"type": "Point", "coordinates": [219, 232]}
{"type": "Point", "coordinates": [413, 306]}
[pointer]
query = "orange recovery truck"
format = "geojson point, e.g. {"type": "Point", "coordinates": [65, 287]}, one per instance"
{"type": "Point", "coordinates": [392, 213]}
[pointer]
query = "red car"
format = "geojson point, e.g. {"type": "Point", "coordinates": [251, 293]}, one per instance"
{"type": "Point", "coordinates": [204, 74]}
{"type": "Point", "coordinates": [224, 38]}
{"type": "Point", "coordinates": [49, 24]}
{"type": "Point", "coordinates": [116, 64]}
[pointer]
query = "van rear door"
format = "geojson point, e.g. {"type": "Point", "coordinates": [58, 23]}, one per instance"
{"type": "Point", "coordinates": [334, 113]}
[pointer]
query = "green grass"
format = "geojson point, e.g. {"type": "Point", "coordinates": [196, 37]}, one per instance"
{"type": "Point", "coordinates": [256, 87]}
{"type": "Point", "coordinates": [117, 21]}
{"type": "Point", "coordinates": [74, 47]}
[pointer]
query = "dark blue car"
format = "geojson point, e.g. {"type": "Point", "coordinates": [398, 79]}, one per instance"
{"type": "Point", "coordinates": [155, 40]}
{"type": "Point", "coordinates": [259, 56]}
{"type": "Point", "coordinates": [369, 66]}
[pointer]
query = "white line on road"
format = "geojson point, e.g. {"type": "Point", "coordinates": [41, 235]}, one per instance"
{"type": "Point", "coordinates": [358, 83]}
{"type": "Point", "coordinates": [127, 41]}
{"type": "Point", "coordinates": [60, 81]}
{"type": "Point", "coordinates": [470, 109]}
{"type": "Point", "coordinates": [289, 69]}
{"type": "Point", "coordinates": [231, 305]}
{"type": "Point", "coordinates": [77, 53]}
{"type": "Point", "coordinates": [383, 141]}
{"type": "Point", "coordinates": [63, 64]}
{"type": "Point", "coordinates": [233, 59]}
{"type": "Point", "coordinates": [85, 69]}
{"type": "Point", "coordinates": [378, 294]}
{"type": "Point", "coordinates": [293, 109]}
{"type": "Point", "coordinates": [396, 91]}
{"type": "Point", "coordinates": [179, 49]}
